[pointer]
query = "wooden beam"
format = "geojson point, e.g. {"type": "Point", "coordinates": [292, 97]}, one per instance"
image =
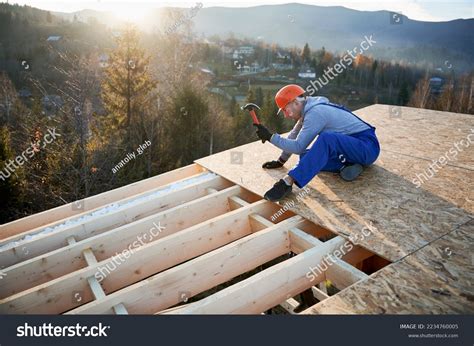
{"type": "Point", "coordinates": [342, 274]}
{"type": "Point", "coordinates": [104, 222]}
{"type": "Point", "coordinates": [143, 212]}
{"type": "Point", "coordinates": [339, 272]}
{"type": "Point", "coordinates": [318, 294]}
{"type": "Point", "coordinates": [236, 202]}
{"type": "Point", "coordinates": [258, 223]}
{"type": "Point", "coordinates": [145, 261]}
{"type": "Point", "coordinates": [94, 284]}
{"type": "Point", "coordinates": [60, 262]}
{"type": "Point", "coordinates": [200, 274]}
{"type": "Point", "coordinates": [301, 241]}
{"type": "Point", "coordinates": [268, 288]}
{"type": "Point", "coordinates": [290, 305]}
{"type": "Point", "coordinates": [93, 202]}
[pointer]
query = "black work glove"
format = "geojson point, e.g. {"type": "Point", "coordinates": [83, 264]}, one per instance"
{"type": "Point", "coordinates": [272, 164]}
{"type": "Point", "coordinates": [263, 133]}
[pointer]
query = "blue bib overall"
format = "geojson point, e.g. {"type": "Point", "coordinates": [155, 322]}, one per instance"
{"type": "Point", "coordinates": [331, 151]}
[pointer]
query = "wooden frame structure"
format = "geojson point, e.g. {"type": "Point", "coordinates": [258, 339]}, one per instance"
{"type": "Point", "coordinates": [151, 246]}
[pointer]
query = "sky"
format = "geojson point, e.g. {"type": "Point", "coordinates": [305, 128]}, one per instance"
{"type": "Point", "coordinates": [433, 10]}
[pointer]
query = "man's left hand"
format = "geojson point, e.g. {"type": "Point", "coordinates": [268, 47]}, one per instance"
{"type": "Point", "coordinates": [263, 133]}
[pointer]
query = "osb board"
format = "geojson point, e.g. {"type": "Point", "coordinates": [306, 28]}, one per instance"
{"type": "Point", "coordinates": [405, 218]}
{"type": "Point", "coordinates": [437, 279]}
{"type": "Point", "coordinates": [423, 133]}
{"type": "Point", "coordinates": [451, 183]}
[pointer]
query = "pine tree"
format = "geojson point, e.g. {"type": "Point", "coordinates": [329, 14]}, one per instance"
{"type": "Point", "coordinates": [127, 86]}
{"type": "Point", "coordinates": [188, 127]}
{"type": "Point", "coordinates": [306, 54]}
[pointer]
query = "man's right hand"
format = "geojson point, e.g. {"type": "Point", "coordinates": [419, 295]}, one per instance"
{"type": "Point", "coordinates": [272, 164]}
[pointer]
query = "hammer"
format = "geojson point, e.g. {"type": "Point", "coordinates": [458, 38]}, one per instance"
{"type": "Point", "coordinates": [251, 107]}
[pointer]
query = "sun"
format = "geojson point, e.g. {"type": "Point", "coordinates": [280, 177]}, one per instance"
{"type": "Point", "coordinates": [129, 12]}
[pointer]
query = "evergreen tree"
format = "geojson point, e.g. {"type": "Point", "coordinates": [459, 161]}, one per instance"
{"type": "Point", "coordinates": [127, 87]}
{"type": "Point", "coordinates": [403, 94]}
{"type": "Point", "coordinates": [306, 54]}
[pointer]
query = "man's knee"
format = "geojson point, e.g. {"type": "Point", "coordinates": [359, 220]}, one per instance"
{"type": "Point", "coordinates": [304, 153]}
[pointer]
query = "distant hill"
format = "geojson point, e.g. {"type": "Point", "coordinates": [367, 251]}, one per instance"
{"type": "Point", "coordinates": [339, 29]}
{"type": "Point", "coordinates": [336, 28]}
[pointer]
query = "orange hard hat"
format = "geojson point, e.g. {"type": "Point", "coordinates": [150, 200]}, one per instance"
{"type": "Point", "coordinates": [287, 94]}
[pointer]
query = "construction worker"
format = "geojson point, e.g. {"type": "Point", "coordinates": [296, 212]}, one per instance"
{"type": "Point", "coordinates": [345, 143]}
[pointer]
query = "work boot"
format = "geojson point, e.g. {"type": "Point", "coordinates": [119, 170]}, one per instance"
{"type": "Point", "coordinates": [350, 172]}
{"type": "Point", "coordinates": [278, 191]}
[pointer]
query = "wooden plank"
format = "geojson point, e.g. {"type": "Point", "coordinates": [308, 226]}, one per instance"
{"type": "Point", "coordinates": [200, 274]}
{"type": "Point", "coordinates": [67, 210]}
{"type": "Point", "coordinates": [120, 309]}
{"type": "Point", "coordinates": [268, 288]}
{"type": "Point", "coordinates": [319, 294]}
{"type": "Point", "coordinates": [236, 202]}
{"type": "Point", "coordinates": [290, 305]}
{"type": "Point", "coordinates": [95, 287]}
{"type": "Point", "coordinates": [94, 284]}
{"type": "Point", "coordinates": [104, 222]}
{"type": "Point", "coordinates": [339, 272]}
{"type": "Point", "coordinates": [342, 274]}
{"type": "Point", "coordinates": [145, 261]}
{"type": "Point", "coordinates": [65, 260]}
{"type": "Point", "coordinates": [301, 241]}
{"type": "Point", "coordinates": [190, 182]}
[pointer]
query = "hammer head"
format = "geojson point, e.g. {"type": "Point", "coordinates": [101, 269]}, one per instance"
{"type": "Point", "coordinates": [250, 106]}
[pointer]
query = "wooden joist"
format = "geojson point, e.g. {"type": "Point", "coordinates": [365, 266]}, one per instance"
{"type": "Point", "coordinates": [103, 222]}
{"type": "Point", "coordinates": [290, 305]}
{"type": "Point", "coordinates": [340, 273]}
{"type": "Point", "coordinates": [93, 202]}
{"type": "Point", "coordinates": [267, 288]}
{"type": "Point", "coordinates": [94, 284]}
{"type": "Point", "coordinates": [210, 232]}
{"type": "Point", "coordinates": [200, 274]}
{"type": "Point", "coordinates": [319, 294]}
{"type": "Point", "coordinates": [67, 259]}
{"type": "Point", "coordinates": [145, 260]}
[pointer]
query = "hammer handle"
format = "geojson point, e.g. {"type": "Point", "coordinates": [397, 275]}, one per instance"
{"type": "Point", "coordinates": [254, 117]}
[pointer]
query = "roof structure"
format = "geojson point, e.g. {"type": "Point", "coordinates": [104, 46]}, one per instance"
{"type": "Point", "coordinates": [200, 239]}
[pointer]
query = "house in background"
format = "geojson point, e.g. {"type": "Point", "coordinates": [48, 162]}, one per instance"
{"type": "Point", "coordinates": [307, 72]}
